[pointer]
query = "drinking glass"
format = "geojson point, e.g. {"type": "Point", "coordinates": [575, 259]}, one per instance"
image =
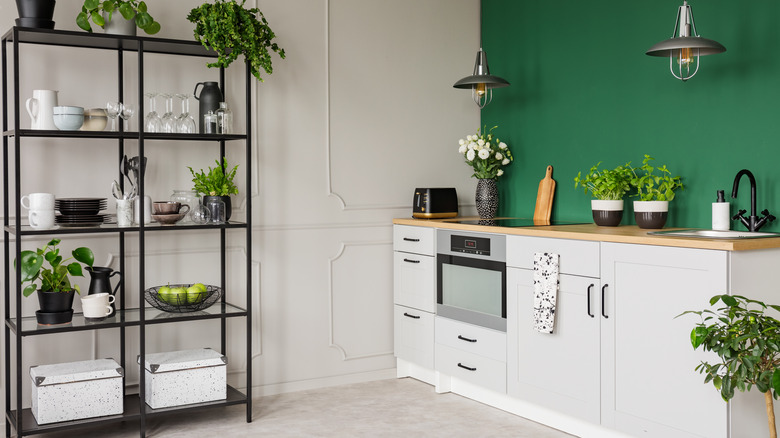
{"type": "Point", "coordinates": [185, 122]}
{"type": "Point", "coordinates": [168, 119]}
{"type": "Point", "coordinates": [112, 111]}
{"type": "Point", "coordinates": [126, 112]}
{"type": "Point", "coordinates": [153, 122]}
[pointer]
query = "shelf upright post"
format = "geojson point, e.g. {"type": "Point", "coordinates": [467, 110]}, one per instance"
{"type": "Point", "coordinates": [122, 291]}
{"type": "Point", "coordinates": [141, 244]}
{"type": "Point", "coordinates": [6, 244]}
{"type": "Point", "coordinates": [248, 150]}
{"type": "Point", "coordinates": [18, 229]}
{"type": "Point", "coordinates": [223, 259]}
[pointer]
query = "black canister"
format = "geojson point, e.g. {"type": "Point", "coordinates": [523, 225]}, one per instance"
{"type": "Point", "coordinates": [209, 98]}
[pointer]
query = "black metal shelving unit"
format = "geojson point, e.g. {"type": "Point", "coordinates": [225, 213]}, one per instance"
{"type": "Point", "coordinates": [20, 421]}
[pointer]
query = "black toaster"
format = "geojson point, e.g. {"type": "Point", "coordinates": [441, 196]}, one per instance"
{"type": "Point", "coordinates": [435, 203]}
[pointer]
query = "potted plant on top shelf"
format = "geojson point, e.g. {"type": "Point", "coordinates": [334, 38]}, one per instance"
{"type": "Point", "coordinates": [608, 188]}
{"type": "Point", "coordinates": [118, 17]}
{"type": "Point", "coordinates": [55, 293]}
{"type": "Point", "coordinates": [35, 13]}
{"type": "Point", "coordinates": [654, 192]}
{"type": "Point", "coordinates": [230, 29]}
{"type": "Point", "coordinates": [216, 183]}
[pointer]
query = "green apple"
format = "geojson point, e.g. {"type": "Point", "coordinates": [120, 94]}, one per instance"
{"type": "Point", "coordinates": [163, 293]}
{"type": "Point", "coordinates": [200, 286]}
{"type": "Point", "coordinates": [194, 294]}
{"type": "Point", "coordinates": [177, 296]}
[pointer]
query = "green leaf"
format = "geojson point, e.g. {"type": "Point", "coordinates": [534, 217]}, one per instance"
{"type": "Point", "coordinates": [30, 263]}
{"type": "Point", "coordinates": [698, 335]}
{"type": "Point", "coordinates": [91, 4]}
{"type": "Point", "coordinates": [776, 380]}
{"type": "Point", "coordinates": [82, 21]}
{"type": "Point", "coordinates": [97, 18]}
{"type": "Point", "coordinates": [127, 11]}
{"type": "Point", "coordinates": [75, 270]}
{"type": "Point", "coordinates": [29, 290]}
{"type": "Point", "coordinates": [142, 7]}
{"type": "Point", "coordinates": [84, 255]}
{"type": "Point", "coordinates": [143, 20]}
{"type": "Point", "coordinates": [728, 300]}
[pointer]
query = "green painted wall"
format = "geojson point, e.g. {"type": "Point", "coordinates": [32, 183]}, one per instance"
{"type": "Point", "coordinates": [583, 91]}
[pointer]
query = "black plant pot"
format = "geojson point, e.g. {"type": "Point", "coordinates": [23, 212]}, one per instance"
{"type": "Point", "coordinates": [650, 220]}
{"type": "Point", "coordinates": [40, 9]}
{"type": "Point", "coordinates": [56, 307]}
{"type": "Point", "coordinates": [226, 200]}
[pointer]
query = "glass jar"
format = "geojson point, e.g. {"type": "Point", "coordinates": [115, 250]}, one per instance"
{"type": "Point", "coordinates": [210, 123]}
{"type": "Point", "coordinates": [189, 197]}
{"type": "Point", "coordinates": [224, 119]}
{"type": "Point", "coordinates": [217, 208]}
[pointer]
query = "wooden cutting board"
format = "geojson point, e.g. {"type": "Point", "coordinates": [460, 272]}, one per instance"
{"type": "Point", "coordinates": [544, 198]}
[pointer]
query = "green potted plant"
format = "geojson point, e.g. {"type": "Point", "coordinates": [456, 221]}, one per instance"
{"type": "Point", "coordinates": [55, 291]}
{"type": "Point", "coordinates": [103, 13]}
{"type": "Point", "coordinates": [747, 341]}
{"type": "Point", "coordinates": [654, 190]}
{"type": "Point", "coordinates": [230, 29]}
{"type": "Point", "coordinates": [608, 188]}
{"type": "Point", "coordinates": [487, 155]}
{"type": "Point", "coordinates": [216, 183]}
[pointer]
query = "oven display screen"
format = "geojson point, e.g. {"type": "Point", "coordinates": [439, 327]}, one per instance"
{"type": "Point", "coordinates": [470, 244]}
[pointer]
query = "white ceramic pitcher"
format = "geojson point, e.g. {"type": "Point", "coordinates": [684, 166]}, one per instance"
{"type": "Point", "coordinates": [41, 109]}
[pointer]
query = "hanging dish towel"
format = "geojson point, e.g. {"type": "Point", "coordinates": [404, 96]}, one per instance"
{"type": "Point", "coordinates": [545, 290]}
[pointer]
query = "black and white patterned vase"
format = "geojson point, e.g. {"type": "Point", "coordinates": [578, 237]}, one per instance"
{"type": "Point", "coordinates": [487, 198]}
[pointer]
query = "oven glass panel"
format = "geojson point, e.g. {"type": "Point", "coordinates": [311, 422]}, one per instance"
{"type": "Point", "coordinates": [460, 282]}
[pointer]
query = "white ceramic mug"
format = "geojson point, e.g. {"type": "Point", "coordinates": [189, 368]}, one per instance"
{"type": "Point", "coordinates": [41, 219]}
{"type": "Point", "coordinates": [97, 305]}
{"type": "Point", "coordinates": [124, 212]}
{"type": "Point", "coordinates": [38, 201]}
{"type": "Point", "coordinates": [40, 107]}
{"type": "Point", "coordinates": [147, 210]}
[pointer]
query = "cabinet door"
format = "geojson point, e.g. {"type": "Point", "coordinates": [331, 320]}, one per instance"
{"type": "Point", "coordinates": [558, 370]}
{"type": "Point", "coordinates": [414, 336]}
{"type": "Point", "coordinates": [649, 386]}
{"type": "Point", "coordinates": [414, 281]}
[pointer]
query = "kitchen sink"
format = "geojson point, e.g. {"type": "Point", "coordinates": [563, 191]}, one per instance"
{"type": "Point", "coordinates": [714, 234]}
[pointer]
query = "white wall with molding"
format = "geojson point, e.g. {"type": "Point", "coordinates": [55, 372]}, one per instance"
{"type": "Point", "coordinates": [360, 113]}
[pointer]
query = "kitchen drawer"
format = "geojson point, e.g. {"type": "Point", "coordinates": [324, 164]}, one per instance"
{"type": "Point", "coordinates": [414, 281]}
{"type": "Point", "coordinates": [418, 240]}
{"type": "Point", "coordinates": [471, 338]}
{"type": "Point", "coordinates": [479, 370]}
{"type": "Point", "coordinates": [414, 336]}
{"type": "Point", "coordinates": [577, 257]}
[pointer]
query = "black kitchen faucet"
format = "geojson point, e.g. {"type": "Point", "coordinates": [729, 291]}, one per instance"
{"type": "Point", "coordinates": [753, 223]}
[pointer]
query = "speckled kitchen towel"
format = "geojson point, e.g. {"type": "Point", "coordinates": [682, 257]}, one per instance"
{"type": "Point", "coordinates": [545, 290]}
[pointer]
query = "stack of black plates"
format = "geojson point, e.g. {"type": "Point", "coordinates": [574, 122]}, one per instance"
{"type": "Point", "coordinates": [80, 212]}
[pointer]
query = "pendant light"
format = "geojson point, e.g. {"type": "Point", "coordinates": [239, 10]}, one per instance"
{"type": "Point", "coordinates": [481, 82]}
{"type": "Point", "coordinates": [685, 46]}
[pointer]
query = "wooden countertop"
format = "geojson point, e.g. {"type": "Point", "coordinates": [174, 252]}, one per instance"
{"type": "Point", "coordinates": [620, 234]}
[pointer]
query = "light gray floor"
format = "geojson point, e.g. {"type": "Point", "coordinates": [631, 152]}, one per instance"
{"type": "Point", "coordinates": [385, 408]}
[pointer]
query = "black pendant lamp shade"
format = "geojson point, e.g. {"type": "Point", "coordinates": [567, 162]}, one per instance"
{"type": "Point", "coordinates": [685, 46]}
{"type": "Point", "coordinates": [481, 82]}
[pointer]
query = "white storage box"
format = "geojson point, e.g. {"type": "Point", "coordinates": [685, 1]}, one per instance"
{"type": "Point", "coordinates": [184, 377]}
{"type": "Point", "coordinates": [76, 390]}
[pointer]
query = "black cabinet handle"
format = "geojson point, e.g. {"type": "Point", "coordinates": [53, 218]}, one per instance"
{"type": "Point", "coordinates": [602, 301]}
{"type": "Point", "coordinates": [466, 339]}
{"type": "Point", "coordinates": [411, 261]}
{"type": "Point", "coordinates": [412, 316]}
{"type": "Point", "coordinates": [465, 367]}
{"type": "Point", "coordinates": [590, 314]}
{"type": "Point", "coordinates": [409, 239]}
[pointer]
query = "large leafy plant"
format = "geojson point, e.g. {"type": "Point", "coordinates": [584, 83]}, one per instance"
{"type": "Point", "coordinates": [215, 182]}
{"type": "Point", "coordinates": [748, 343]}
{"type": "Point", "coordinates": [55, 278]}
{"type": "Point", "coordinates": [652, 186]}
{"type": "Point", "coordinates": [230, 29]}
{"type": "Point", "coordinates": [93, 10]}
{"type": "Point", "coordinates": [606, 184]}
{"type": "Point", "coordinates": [485, 153]}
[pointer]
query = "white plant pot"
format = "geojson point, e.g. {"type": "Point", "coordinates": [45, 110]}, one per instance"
{"type": "Point", "coordinates": [607, 213]}
{"type": "Point", "coordinates": [651, 214]}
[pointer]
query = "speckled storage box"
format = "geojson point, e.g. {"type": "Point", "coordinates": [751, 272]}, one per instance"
{"type": "Point", "coordinates": [76, 390]}
{"type": "Point", "coordinates": [178, 378]}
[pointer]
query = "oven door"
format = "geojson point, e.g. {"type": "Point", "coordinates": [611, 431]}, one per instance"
{"type": "Point", "coordinates": [471, 290]}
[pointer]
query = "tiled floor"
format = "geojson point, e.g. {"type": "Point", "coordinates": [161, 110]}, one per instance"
{"type": "Point", "coordinates": [385, 408]}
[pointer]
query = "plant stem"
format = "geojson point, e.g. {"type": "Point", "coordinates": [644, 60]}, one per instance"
{"type": "Point", "coordinates": [770, 413]}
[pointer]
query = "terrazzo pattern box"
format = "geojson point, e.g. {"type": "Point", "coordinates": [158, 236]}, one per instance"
{"type": "Point", "coordinates": [76, 390]}
{"type": "Point", "coordinates": [185, 377]}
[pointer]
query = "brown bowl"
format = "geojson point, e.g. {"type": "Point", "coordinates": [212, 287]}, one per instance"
{"type": "Point", "coordinates": [166, 207]}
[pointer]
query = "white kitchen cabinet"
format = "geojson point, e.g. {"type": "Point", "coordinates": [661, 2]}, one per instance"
{"type": "Point", "coordinates": [414, 336]}
{"type": "Point", "coordinates": [648, 384]}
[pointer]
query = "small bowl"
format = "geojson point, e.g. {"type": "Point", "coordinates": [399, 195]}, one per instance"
{"type": "Point", "coordinates": [95, 119]}
{"type": "Point", "coordinates": [68, 110]}
{"type": "Point", "coordinates": [168, 219]}
{"type": "Point", "coordinates": [68, 122]}
{"type": "Point", "coordinates": [166, 207]}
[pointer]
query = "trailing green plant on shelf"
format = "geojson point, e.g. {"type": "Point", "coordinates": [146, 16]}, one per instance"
{"type": "Point", "coordinates": [230, 29]}
{"type": "Point", "coordinates": [606, 184]}
{"type": "Point", "coordinates": [655, 186]}
{"type": "Point", "coordinates": [129, 9]}
{"type": "Point", "coordinates": [55, 278]}
{"type": "Point", "coordinates": [215, 182]}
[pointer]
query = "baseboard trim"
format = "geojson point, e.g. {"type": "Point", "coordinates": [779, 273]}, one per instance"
{"type": "Point", "coordinates": [323, 382]}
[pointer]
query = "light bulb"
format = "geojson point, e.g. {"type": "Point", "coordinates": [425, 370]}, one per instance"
{"type": "Point", "coordinates": [480, 89]}
{"type": "Point", "coordinates": [686, 57]}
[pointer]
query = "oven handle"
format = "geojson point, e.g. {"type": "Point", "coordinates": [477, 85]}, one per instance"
{"type": "Point", "coordinates": [589, 289]}
{"type": "Point", "coordinates": [412, 316]}
{"type": "Point", "coordinates": [465, 367]}
{"type": "Point", "coordinates": [466, 339]}
{"type": "Point", "coordinates": [411, 261]}
{"type": "Point", "coordinates": [602, 301]}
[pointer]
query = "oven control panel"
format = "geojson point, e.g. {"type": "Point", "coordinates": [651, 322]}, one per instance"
{"type": "Point", "coordinates": [470, 245]}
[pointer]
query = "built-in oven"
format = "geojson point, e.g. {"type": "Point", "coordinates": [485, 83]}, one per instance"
{"type": "Point", "coordinates": [471, 277]}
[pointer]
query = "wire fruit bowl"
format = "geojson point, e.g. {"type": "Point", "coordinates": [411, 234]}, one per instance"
{"type": "Point", "coordinates": [183, 303]}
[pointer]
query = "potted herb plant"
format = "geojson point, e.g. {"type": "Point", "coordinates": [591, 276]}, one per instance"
{"type": "Point", "coordinates": [216, 183]}
{"type": "Point", "coordinates": [117, 17]}
{"type": "Point", "coordinates": [608, 188]}
{"type": "Point", "coordinates": [654, 190]}
{"type": "Point", "coordinates": [747, 341]}
{"type": "Point", "coordinates": [487, 155]}
{"type": "Point", "coordinates": [55, 292]}
{"type": "Point", "coordinates": [230, 29]}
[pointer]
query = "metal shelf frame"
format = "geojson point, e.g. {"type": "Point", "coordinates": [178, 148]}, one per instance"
{"type": "Point", "coordinates": [17, 327]}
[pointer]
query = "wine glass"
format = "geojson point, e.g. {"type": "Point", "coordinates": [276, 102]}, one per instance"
{"type": "Point", "coordinates": [168, 119]}
{"type": "Point", "coordinates": [153, 122]}
{"type": "Point", "coordinates": [126, 112]}
{"type": "Point", "coordinates": [112, 111]}
{"type": "Point", "coordinates": [185, 122]}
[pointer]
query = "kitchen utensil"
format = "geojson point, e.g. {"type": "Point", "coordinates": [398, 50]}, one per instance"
{"type": "Point", "coordinates": [153, 121]}
{"type": "Point", "coordinates": [126, 112]}
{"type": "Point", "coordinates": [116, 191]}
{"type": "Point", "coordinates": [41, 219]}
{"type": "Point", "coordinates": [182, 303]}
{"type": "Point", "coordinates": [147, 210]}
{"type": "Point", "coordinates": [544, 197]}
{"type": "Point", "coordinates": [208, 100]}
{"type": "Point", "coordinates": [168, 218]}
{"type": "Point", "coordinates": [95, 119]}
{"type": "Point", "coordinates": [124, 212]}
{"type": "Point", "coordinates": [38, 201]}
{"type": "Point", "coordinates": [168, 119]}
{"type": "Point", "coordinates": [435, 203]}
{"type": "Point", "coordinates": [112, 111]}
{"type": "Point", "coordinates": [185, 123]}
{"type": "Point", "coordinates": [40, 107]}
{"type": "Point", "coordinates": [97, 306]}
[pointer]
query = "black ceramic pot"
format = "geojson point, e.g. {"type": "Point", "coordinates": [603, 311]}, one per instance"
{"type": "Point", "coordinates": [651, 214]}
{"type": "Point", "coordinates": [56, 307]}
{"type": "Point", "coordinates": [40, 9]}
{"type": "Point", "coordinates": [607, 213]}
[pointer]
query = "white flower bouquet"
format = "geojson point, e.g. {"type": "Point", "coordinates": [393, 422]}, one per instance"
{"type": "Point", "coordinates": [485, 153]}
